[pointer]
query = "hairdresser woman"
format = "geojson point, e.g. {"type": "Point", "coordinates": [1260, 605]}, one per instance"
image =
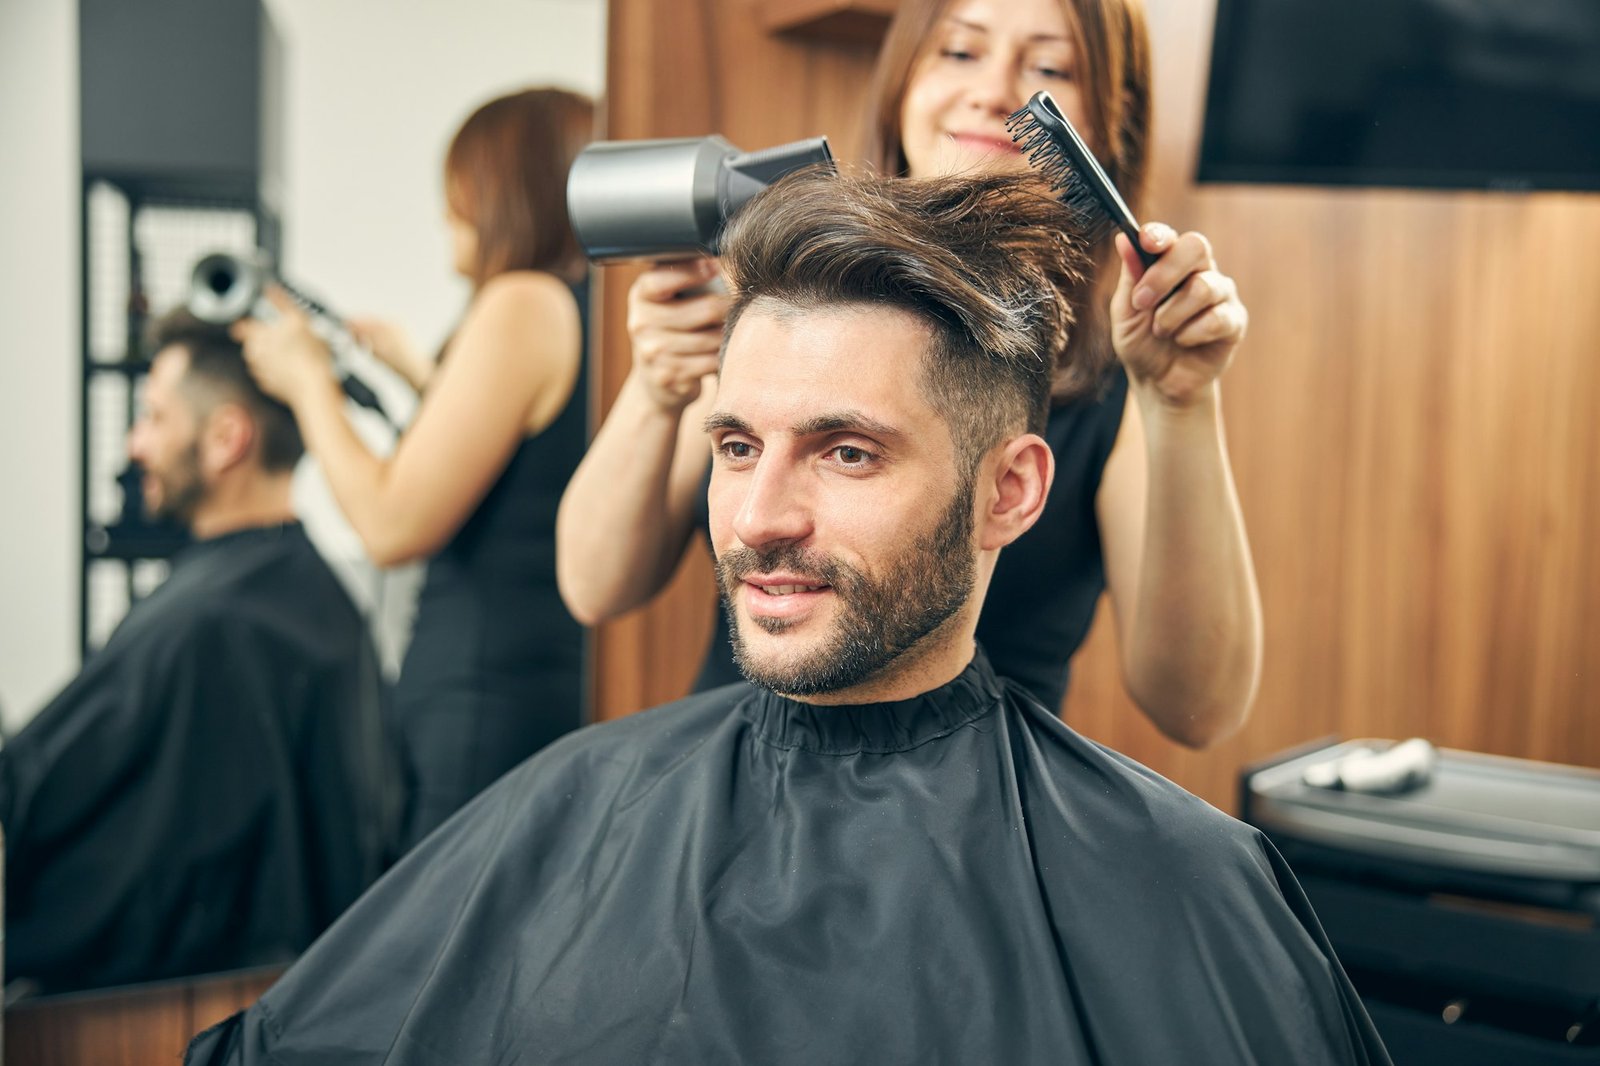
{"type": "Point", "coordinates": [1143, 501]}
{"type": "Point", "coordinates": [493, 669]}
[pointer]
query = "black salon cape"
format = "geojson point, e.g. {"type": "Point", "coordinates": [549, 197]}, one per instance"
{"type": "Point", "coordinates": [213, 789]}
{"type": "Point", "coordinates": [738, 878]}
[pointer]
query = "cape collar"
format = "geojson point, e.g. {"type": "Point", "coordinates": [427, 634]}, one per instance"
{"type": "Point", "coordinates": [874, 728]}
{"type": "Point", "coordinates": [277, 531]}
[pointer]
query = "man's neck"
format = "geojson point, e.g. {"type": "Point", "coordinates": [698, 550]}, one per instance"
{"type": "Point", "coordinates": [263, 500]}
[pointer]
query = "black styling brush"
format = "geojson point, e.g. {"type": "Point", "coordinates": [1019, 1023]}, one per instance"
{"type": "Point", "coordinates": [1059, 154]}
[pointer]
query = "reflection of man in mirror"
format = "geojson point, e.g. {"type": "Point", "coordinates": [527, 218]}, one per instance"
{"type": "Point", "coordinates": [879, 852]}
{"type": "Point", "coordinates": [213, 789]}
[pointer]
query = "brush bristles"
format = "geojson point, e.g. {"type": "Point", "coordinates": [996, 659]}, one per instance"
{"type": "Point", "coordinates": [1046, 157]}
{"type": "Point", "coordinates": [305, 302]}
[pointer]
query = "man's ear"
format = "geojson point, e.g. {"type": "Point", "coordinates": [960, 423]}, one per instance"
{"type": "Point", "coordinates": [227, 438]}
{"type": "Point", "coordinates": [1017, 478]}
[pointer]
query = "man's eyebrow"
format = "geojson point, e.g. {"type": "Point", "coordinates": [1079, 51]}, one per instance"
{"type": "Point", "coordinates": [719, 420]}
{"type": "Point", "coordinates": [831, 422]}
{"type": "Point", "coordinates": [837, 421]}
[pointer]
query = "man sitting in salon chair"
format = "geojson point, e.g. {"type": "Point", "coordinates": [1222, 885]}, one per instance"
{"type": "Point", "coordinates": [215, 787]}
{"type": "Point", "coordinates": [879, 852]}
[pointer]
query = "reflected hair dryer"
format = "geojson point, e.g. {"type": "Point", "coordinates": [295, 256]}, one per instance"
{"type": "Point", "coordinates": [226, 286]}
{"type": "Point", "coordinates": [669, 199]}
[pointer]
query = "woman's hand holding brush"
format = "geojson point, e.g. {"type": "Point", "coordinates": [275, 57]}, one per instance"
{"type": "Point", "coordinates": [1175, 324]}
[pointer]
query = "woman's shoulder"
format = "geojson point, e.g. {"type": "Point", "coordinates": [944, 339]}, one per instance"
{"type": "Point", "coordinates": [523, 290]}
{"type": "Point", "coordinates": [519, 309]}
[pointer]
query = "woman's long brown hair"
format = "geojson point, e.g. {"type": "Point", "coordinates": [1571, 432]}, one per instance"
{"type": "Point", "coordinates": [506, 175]}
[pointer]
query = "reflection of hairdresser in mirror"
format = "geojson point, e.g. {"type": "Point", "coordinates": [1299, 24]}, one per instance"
{"type": "Point", "coordinates": [1143, 501]}
{"type": "Point", "coordinates": [493, 669]}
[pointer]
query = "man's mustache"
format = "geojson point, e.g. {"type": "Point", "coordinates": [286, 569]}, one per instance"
{"type": "Point", "coordinates": [737, 563]}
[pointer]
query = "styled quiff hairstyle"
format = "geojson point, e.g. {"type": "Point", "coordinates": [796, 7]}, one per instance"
{"type": "Point", "coordinates": [985, 262]}
{"type": "Point", "coordinates": [217, 374]}
{"type": "Point", "coordinates": [1112, 42]}
{"type": "Point", "coordinates": [506, 175]}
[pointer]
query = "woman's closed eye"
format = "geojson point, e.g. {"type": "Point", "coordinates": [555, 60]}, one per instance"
{"type": "Point", "coordinates": [1053, 63]}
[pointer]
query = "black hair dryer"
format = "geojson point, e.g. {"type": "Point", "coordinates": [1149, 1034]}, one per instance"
{"type": "Point", "coordinates": [669, 199]}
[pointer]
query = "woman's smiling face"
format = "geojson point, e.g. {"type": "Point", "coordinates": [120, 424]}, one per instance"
{"type": "Point", "coordinates": [985, 58]}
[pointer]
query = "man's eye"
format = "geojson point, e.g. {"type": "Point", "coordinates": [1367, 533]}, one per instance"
{"type": "Point", "coordinates": [737, 449]}
{"type": "Point", "coordinates": [850, 455]}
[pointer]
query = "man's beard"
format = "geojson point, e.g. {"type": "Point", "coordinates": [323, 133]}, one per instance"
{"type": "Point", "coordinates": [878, 620]}
{"type": "Point", "coordinates": [182, 489]}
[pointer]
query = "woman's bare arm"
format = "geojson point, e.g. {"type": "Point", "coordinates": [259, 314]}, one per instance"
{"type": "Point", "coordinates": [1178, 563]}
{"type": "Point", "coordinates": [514, 359]}
{"type": "Point", "coordinates": [628, 512]}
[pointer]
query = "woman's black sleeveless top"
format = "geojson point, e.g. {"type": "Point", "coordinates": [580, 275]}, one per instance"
{"type": "Point", "coordinates": [494, 671]}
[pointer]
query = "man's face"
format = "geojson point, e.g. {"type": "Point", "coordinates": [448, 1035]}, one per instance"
{"type": "Point", "coordinates": [164, 441]}
{"type": "Point", "coordinates": [842, 528]}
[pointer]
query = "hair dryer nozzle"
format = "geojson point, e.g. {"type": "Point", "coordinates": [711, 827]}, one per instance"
{"type": "Point", "coordinates": [224, 287]}
{"type": "Point", "coordinates": [669, 198]}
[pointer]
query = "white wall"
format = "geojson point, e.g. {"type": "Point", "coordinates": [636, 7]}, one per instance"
{"type": "Point", "coordinates": [39, 353]}
{"type": "Point", "coordinates": [374, 91]}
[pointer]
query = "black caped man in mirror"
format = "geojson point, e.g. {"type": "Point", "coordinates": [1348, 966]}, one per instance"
{"type": "Point", "coordinates": [215, 786]}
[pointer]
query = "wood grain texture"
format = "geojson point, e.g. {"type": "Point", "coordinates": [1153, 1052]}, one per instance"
{"type": "Point", "coordinates": [859, 21]}
{"type": "Point", "coordinates": [1412, 420]}
{"type": "Point", "coordinates": [1412, 426]}
{"type": "Point", "coordinates": [131, 1026]}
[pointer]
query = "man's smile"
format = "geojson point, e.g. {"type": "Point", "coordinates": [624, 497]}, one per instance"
{"type": "Point", "coordinates": [782, 595]}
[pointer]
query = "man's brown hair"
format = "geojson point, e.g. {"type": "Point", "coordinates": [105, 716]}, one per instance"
{"type": "Point", "coordinates": [985, 262]}
{"type": "Point", "coordinates": [217, 374]}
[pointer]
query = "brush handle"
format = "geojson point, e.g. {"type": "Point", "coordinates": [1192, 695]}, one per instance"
{"type": "Point", "coordinates": [361, 393]}
{"type": "Point", "coordinates": [1132, 230]}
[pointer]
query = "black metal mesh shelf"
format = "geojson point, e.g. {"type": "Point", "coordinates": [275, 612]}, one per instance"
{"type": "Point", "coordinates": [141, 239]}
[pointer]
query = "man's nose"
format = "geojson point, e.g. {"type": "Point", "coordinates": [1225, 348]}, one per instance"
{"type": "Point", "coordinates": [776, 507]}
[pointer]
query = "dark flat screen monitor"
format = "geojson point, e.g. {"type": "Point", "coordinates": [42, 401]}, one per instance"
{"type": "Point", "coordinates": [1486, 94]}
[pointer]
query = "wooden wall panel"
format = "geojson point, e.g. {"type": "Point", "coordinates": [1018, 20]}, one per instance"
{"type": "Point", "coordinates": [130, 1026]}
{"type": "Point", "coordinates": [1414, 420]}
